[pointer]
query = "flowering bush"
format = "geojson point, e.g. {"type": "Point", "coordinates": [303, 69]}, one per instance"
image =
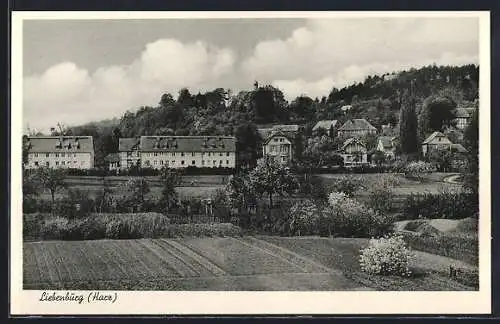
{"type": "Point", "coordinates": [418, 168]}
{"type": "Point", "coordinates": [388, 255]}
{"type": "Point", "coordinates": [348, 217]}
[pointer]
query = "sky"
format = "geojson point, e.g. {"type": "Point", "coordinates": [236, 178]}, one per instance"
{"type": "Point", "coordinates": [76, 71]}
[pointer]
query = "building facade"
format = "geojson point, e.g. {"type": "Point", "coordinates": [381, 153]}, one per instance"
{"type": "Point", "coordinates": [180, 152]}
{"type": "Point", "coordinates": [356, 128]}
{"type": "Point", "coordinates": [354, 152]}
{"type": "Point", "coordinates": [70, 152]}
{"type": "Point", "coordinates": [387, 145]}
{"type": "Point", "coordinates": [326, 125]}
{"type": "Point", "coordinates": [436, 141]}
{"type": "Point", "coordinates": [129, 152]}
{"type": "Point", "coordinates": [462, 117]}
{"type": "Point", "coordinates": [279, 146]}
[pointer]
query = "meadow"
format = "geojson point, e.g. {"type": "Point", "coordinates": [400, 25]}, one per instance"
{"type": "Point", "coordinates": [224, 263]}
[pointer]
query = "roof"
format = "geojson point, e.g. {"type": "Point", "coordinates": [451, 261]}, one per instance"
{"type": "Point", "coordinates": [464, 112]}
{"type": "Point", "coordinates": [277, 133]}
{"type": "Point", "coordinates": [387, 141]}
{"type": "Point", "coordinates": [288, 130]}
{"type": "Point", "coordinates": [325, 124]}
{"type": "Point", "coordinates": [356, 124]}
{"type": "Point", "coordinates": [350, 141]}
{"type": "Point", "coordinates": [112, 157]}
{"type": "Point", "coordinates": [346, 107]}
{"type": "Point", "coordinates": [128, 144]}
{"type": "Point", "coordinates": [188, 143]}
{"type": "Point", "coordinates": [433, 136]}
{"type": "Point", "coordinates": [49, 144]}
{"type": "Point", "coordinates": [459, 148]}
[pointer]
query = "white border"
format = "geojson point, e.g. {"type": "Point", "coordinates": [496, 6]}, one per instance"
{"type": "Point", "coordinates": [359, 302]}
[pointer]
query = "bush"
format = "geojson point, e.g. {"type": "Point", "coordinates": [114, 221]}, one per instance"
{"type": "Point", "coordinates": [380, 197]}
{"type": "Point", "coordinates": [305, 217]}
{"type": "Point", "coordinates": [347, 185]}
{"type": "Point", "coordinates": [54, 228]}
{"type": "Point", "coordinates": [76, 204]}
{"type": "Point", "coordinates": [418, 169]}
{"type": "Point", "coordinates": [32, 225]}
{"type": "Point", "coordinates": [388, 255]}
{"type": "Point", "coordinates": [347, 217]}
{"type": "Point", "coordinates": [457, 246]}
{"type": "Point", "coordinates": [450, 205]}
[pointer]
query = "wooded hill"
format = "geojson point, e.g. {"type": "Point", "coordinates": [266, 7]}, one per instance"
{"type": "Point", "coordinates": [222, 112]}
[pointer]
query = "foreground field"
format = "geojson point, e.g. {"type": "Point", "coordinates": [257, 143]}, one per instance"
{"type": "Point", "coordinates": [243, 263]}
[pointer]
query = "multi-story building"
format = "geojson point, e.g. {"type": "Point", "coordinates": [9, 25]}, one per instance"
{"type": "Point", "coordinates": [356, 128]}
{"type": "Point", "coordinates": [129, 151]}
{"type": "Point", "coordinates": [463, 116]}
{"type": "Point", "coordinates": [184, 151]}
{"type": "Point", "coordinates": [71, 152]}
{"type": "Point", "coordinates": [438, 141]}
{"type": "Point", "coordinates": [279, 146]}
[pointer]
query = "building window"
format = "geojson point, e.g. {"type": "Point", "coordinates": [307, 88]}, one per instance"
{"type": "Point", "coordinates": [161, 162]}
{"type": "Point", "coordinates": [47, 163]}
{"type": "Point", "coordinates": [57, 162]}
{"type": "Point", "coordinates": [193, 162]}
{"type": "Point", "coordinates": [63, 163]}
{"type": "Point", "coordinates": [155, 162]}
{"type": "Point", "coordinates": [36, 154]}
{"type": "Point", "coordinates": [214, 162]}
{"type": "Point", "coordinates": [182, 162]}
{"type": "Point", "coordinates": [275, 139]}
{"type": "Point", "coordinates": [227, 154]}
{"type": "Point", "coordinates": [221, 154]}
{"type": "Point", "coordinates": [283, 159]}
{"type": "Point", "coordinates": [281, 140]}
{"type": "Point", "coordinates": [36, 163]}
{"type": "Point", "coordinates": [57, 155]}
{"type": "Point", "coordinates": [208, 153]}
{"type": "Point", "coordinates": [62, 154]}
{"type": "Point", "coordinates": [173, 162]}
{"type": "Point", "coordinates": [182, 154]}
{"type": "Point", "coordinates": [156, 153]}
{"type": "Point", "coordinates": [173, 153]}
{"type": "Point", "coordinates": [272, 148]}
{"type": "Point", "coordinates": [202, 162]}
{"type": "Point", "coordinates": [220, 162]}
{"type": "Point", "coordinates": [192, 154]}
{"type": "Point", "coordinates": [227, 161]}
{"type": "Point", "coordinates": [74, 155]}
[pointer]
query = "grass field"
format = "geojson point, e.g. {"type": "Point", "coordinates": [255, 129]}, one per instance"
{"type": "Point", "coordinates": [244, 263]}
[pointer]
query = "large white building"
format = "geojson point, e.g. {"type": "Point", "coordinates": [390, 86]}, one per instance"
{"type": "Point", "coordinates": [71, 152]}
{"type": "Point", "coordinates": [179, 152]}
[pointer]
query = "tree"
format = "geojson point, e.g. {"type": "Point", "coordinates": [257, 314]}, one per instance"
{"type": "Point", "coordinates": [408, 126]}
{"type": "Point", "coordinates": [52, 180]}
{"type": "Point", "coordinates": [248, 143]}
{"type": "Point", "coordinates": [170, 179]}
{"type": "Point", "coordinates": [271, 177]}
{"type": "Point", "coordinates": [436, 114]}
{"type": "Point", "coordinates": [138, 189]}
{"type": "Point", "coordinates": [471, 140]}
{"type": "Point", "coordinates": [378, 157]}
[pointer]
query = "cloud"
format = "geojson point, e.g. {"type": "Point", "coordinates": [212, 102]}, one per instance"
{"type": "Point", "coordinates": [71, 94]}
{"type": "Point", "coordinates": [344, 51]}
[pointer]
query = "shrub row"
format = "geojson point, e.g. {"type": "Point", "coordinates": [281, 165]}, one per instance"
{"type": "Point", "coordinates": [451, 205]}
{"type": "Point", "coordinates": [116, 226]}
{"type": "Point", "coordinates": [144, 172]}
{"type": "Point", "coordinates": [456, 246]}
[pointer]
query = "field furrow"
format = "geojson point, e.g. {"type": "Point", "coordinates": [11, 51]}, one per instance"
{"type": "Point", "coordinates": [182, 263]}
{"type": "Point", "coordinates": [160, 261]}
{"type": "Point", "coordinates": [31, 266]}
{"type": "Point", "coordinates": [205, 263]}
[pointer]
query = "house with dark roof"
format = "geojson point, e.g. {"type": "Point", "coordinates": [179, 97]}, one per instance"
{"type": "Point", "coordinates": [356, 128]}
{"type": "Point", "coordinates": [354, 152]}
{"type": "Point", "coordinates": [279, 146]}
{"type": "Point", "coordinates": [387, 145]}
{"type": "Point", "coordinates": [184, 151]}
{"type": "Point", "coordinates": [290, 130]}
{"type": "Point", "coordinates": [129, 151]}
{"type": "Point", "coordinates": [463, 116]}
{"type": "Point", "coordinates": [326, 125]}
{"type": "Point", "coordinates": [70, 152]}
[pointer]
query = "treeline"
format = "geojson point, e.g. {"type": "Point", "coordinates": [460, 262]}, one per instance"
{"type": "Point", "coordinates": [222, 112]}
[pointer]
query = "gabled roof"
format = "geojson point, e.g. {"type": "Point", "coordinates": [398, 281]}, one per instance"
{"type": "Point", "coordinates": [387, 141]}
{"type": "Point", "coordinates": [464, 112]}
{"type": "Point", "coordinates": [459, 148]}
{"type": "Point", "coordinates": [128, 144]}
{"type": "Point", "coordinates": [275, 134]}
{"type": "Point", "coordinates": [48, 144]}
{"type": "Point", "coordinates": [357, 124]}
{"type": "Point", "coordinates": [325, 124]}
{"type": "Point", "coordinates": [188, 143]}
{"type": "Point", "coordinates": [288, 130]}
{"type": "Point", "coordinates": [112, 157]}
{"type": "Point", "coordinates": [350, 141]}
{"type": "Point", "coordinates": [433, 136]}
